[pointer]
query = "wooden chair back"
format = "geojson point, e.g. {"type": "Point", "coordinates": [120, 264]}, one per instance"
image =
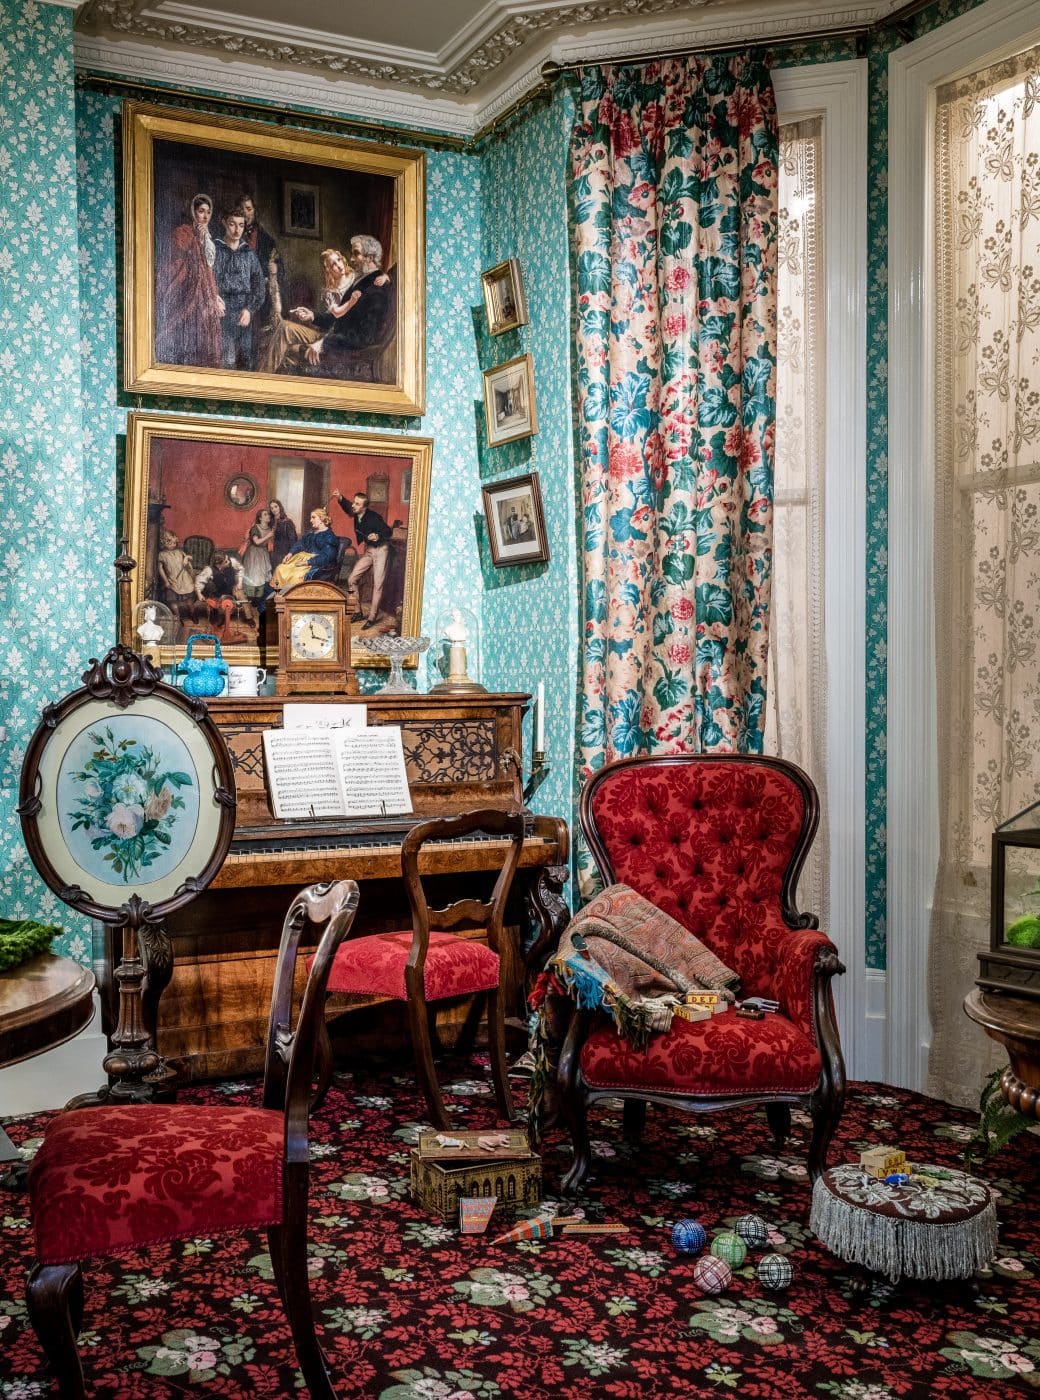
{"type": "Point", "coordinates": [464, 913]}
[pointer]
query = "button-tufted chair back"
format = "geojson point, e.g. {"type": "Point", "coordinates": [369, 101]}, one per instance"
{"type": "Point", "coordinates": [715, 840]}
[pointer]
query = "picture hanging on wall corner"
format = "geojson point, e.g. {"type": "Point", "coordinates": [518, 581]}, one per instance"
{"type": "Point", "coordinates": [509, 401]}
{"type": "Point", "coordinates": [504, 301]}
{"type": "Point", "coordinates": [271, 265]}
{"type": "Point", "coordinates": [516, 521]}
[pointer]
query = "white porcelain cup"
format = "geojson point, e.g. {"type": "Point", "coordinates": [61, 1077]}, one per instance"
{"type": "Point", "coordinates": [245, 680]}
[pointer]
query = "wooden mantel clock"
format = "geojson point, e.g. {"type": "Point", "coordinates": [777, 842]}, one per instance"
{"type": "Point", "coordinates": [313, 641]}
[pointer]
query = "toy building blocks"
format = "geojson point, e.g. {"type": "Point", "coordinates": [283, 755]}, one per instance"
{"type": "Point", "coordinates": [880, 1162]}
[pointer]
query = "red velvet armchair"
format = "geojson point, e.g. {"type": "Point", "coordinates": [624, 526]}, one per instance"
{"type": "Point", "coordinates": [716, 841]}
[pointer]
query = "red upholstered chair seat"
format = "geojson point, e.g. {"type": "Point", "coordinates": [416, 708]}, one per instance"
{"type": "Point", "coordinates": [107, 1180]}
{"type": "Point", "coordinates": [374, 966]}
{"type": "Point", "coordinates": [723, 1056]}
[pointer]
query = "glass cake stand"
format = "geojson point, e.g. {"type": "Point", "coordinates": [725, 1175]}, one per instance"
{"type": "Point", "coordinates": [395, 649]}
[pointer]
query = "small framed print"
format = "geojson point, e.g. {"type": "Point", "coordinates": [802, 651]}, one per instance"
{"type": "Point", "coordinates": [504, 301]}
{"type": "Point", "coordinates": [240, 491]}
{"type": "Point", "coordinates": [509, 401]}
{"type": "Point", "coordinates": [516, 521]}
{"type": "Point", "coordinates": [301, 209]}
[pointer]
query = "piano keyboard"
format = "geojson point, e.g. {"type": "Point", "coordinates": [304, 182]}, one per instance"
{"type": "Point", "coordinates": [299, 861]}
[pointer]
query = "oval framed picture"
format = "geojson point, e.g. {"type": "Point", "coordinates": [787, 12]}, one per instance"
{"type": "Point", "coordinates": [127, 790]}
{"type": "Point", "coordinates": [240, 491]}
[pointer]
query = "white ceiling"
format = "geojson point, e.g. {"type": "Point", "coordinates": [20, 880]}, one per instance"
{"type": "Point", "coordinates": [452, 64]}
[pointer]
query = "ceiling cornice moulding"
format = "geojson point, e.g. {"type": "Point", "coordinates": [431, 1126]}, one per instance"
{"type": "Point", "coordinates": [228, 78]}
{"type": "Point", "coordinates": [494, 45]}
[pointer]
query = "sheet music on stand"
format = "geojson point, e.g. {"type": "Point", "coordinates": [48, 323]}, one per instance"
{"type": "Point", "coordinates": [345, 772]}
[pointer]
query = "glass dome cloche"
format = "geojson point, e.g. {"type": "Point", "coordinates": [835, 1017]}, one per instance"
{"type": "Point", "coordinates": [1012, 964]}
{"type": "Point", "coordinates": [154, 629]}
{"type": "Point", "coordinates": [455, 655]}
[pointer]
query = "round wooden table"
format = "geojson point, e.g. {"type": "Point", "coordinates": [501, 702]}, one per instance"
{"type": "Point", "coordinates": [1013, 1022]}
{"type": "Point", "coordinates": [43, 1002]}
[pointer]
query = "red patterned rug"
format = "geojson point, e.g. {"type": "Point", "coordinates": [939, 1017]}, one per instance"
{"type": "Point", "coordinates": [412, 1311]}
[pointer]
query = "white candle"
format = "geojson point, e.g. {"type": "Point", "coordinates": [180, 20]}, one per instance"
{"type": "Point", "coordinates": [539, 719]}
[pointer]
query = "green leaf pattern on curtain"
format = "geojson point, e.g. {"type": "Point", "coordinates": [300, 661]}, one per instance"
{"type": "Point", "coordinates": [674, 199]}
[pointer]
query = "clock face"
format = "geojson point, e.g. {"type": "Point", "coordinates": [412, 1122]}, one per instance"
{"type": "Point", "coordinates": [312, 636]}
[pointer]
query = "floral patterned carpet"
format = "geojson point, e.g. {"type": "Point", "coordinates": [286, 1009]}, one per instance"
{"type": "Point", "coordinates": [411, 1309]}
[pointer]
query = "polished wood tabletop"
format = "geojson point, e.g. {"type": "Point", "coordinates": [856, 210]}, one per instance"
{"type": "Point", "coordinates": [1013, 1022]}
{"type": "Point", "coordinates": [43, 1002]}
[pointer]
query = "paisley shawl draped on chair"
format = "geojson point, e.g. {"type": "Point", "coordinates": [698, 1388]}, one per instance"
{"type": "Point", "coordinates": [675, 173]}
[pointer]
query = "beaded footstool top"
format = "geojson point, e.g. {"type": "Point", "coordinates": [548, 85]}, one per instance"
{"type": "Point", "coordinates": [939, 1224]}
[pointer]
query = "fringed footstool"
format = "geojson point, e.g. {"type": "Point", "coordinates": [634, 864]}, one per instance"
{"type": "Point", "coordinates": [941, 1227]}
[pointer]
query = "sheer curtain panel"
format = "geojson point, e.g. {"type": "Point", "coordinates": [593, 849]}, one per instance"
{"type": "Point", "coordinates": [987, 524]}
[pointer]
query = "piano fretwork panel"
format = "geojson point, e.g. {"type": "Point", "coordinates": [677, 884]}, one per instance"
{"type": "Point", "coordinates": [460, 752]}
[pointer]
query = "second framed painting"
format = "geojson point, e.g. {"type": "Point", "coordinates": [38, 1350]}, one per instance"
{"type": "Point", "coordinates": [271, 265]}
{"type": "Point", "coordinates": [219, 513]}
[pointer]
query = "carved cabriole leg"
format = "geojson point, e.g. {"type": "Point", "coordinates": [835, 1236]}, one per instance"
{"type": "Point", "coordinates": [297, 1299]}
{"type": "Point", "coordinates": [828, 1102]}
{"type": "Point", "coordinates": [778, 1116]}
{"type": "Point", "coordinates": [574, 1102]}
{"type": "Point", "coordinates": [156, 948]}
{"type": "Point", "coordinates": [54, 1298]}
{"type": "Point", "coordinates": [549, 909]}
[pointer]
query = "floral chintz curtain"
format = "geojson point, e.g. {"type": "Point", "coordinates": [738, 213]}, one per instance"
{"type": "Point", "coordinates": [675, 208]}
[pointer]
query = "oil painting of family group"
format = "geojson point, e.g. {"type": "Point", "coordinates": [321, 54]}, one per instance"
{"type": "Point", "coordinates": [272, 266]}
{"type": "Point", "coordinates": [222, 516]}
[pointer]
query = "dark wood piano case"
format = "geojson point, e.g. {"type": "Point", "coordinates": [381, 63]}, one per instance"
{"type": "Point", "coordinates": [460, 752]}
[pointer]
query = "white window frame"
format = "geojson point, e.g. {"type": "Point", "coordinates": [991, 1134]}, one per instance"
{"type": "Point", "coordinates": [838, 93]}
{"type": "Point", "coordinates": [983, 36]}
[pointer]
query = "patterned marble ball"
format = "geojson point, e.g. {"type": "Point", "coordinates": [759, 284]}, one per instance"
{"type": "Point", "coordinates": [730, 1247]}
{"type": "Point", "coordinates": [753, 1230]}
{"type": "Point", "coordinates": [689, 1236]}
{"type": "Point", "coordinates": [774, 1272]}
{"type": "Point", "coordinates": [711, 1274]}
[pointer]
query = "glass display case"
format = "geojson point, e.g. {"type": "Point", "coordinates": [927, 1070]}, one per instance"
{"type": "Point", "coordinates": [1012, 964]}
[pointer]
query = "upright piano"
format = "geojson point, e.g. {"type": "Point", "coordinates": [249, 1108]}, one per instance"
{"type": "Point", "coordinates": [212, 967]}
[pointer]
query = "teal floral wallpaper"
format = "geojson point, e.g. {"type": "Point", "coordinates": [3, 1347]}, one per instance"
{"type": "Point", "coordinates": [529, 616]}
{"type": "Point", "coordinates": [53, 531]}
{"type": "Point", "coordinates": [62, 418]}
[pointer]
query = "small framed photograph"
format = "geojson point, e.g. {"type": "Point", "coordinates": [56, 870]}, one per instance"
{"type": "Point", "coordinates": [516, 521]}
{"type": "Point", "coordinates": [301, 209]}
{"type": "Point", "coordinates": [240, 491]}
{"type": "Point", "coordinates": [504, 300]}
{"type": "Point", "coordinates": [509, 401]}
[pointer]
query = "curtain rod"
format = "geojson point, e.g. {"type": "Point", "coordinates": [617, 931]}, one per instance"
{"type": "Point", "coordinates": [896, 19]}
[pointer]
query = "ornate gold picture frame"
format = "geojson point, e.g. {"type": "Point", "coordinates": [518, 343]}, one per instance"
{"type": "Point", "coordinates": [213, 564]}
{"type": "Point", "coordinates": [228, 296]}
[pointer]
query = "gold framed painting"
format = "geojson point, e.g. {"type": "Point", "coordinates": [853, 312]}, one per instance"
{"type": "Point", "coordinates": [217, 565]}
{"type": "Point", "coordinates": [271, 266]}
{"type": "Point", "coordinates": [504, 302]}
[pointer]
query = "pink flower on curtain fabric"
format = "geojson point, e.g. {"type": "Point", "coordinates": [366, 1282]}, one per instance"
{"type": "Point", "coordinates": [674, 189]}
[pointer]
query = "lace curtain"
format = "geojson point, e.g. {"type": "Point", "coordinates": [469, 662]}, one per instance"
{"type": "Point", "coordinates": [987, 524]}
{"type": "Point", "coordinates": [796, 707]}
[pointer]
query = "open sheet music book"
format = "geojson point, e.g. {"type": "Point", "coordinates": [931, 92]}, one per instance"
{"type": "Point", "coordinates": [336, 772]}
